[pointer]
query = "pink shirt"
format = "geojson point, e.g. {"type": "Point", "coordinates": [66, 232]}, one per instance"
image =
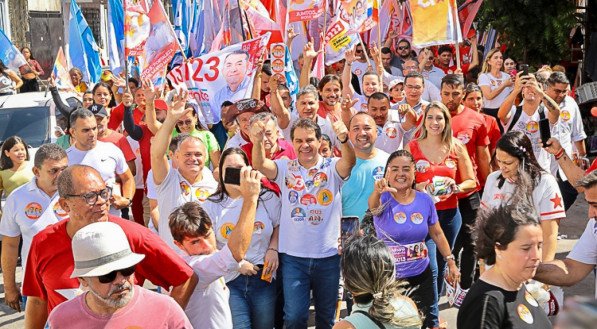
{"type": "Point", "coordinates": [146, 309]}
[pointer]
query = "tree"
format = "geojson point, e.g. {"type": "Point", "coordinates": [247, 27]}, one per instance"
{"type": "Point", "coordinates": [535, 31]}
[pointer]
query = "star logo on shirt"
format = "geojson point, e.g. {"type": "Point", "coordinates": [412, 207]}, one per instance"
{"type": "Point", "coordinates": [557, 201]}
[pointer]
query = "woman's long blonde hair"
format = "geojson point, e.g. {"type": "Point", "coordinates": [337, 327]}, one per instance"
{"type": "Point", "coordinates": [447, 138]}
{"type": "Point", "coordinates": [486, 67]}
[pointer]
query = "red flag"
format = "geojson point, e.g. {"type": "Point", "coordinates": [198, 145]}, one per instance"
{"type": "Point", "coordinates": [467, 13]}
{"type": "Point", "coordinates": [260, 21]}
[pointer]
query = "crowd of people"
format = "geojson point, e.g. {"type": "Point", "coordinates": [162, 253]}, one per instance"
{"type": "Point", "coordinates": [446, 170]}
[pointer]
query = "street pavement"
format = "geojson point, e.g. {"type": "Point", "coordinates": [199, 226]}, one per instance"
{"type": "Point", "coordinates": [570, 229]}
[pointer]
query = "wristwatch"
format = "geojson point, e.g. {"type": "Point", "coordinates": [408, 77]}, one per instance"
{"type": "Point", "coordinates": [447, 258]}
{"type": "Point", "coordinates": [130, 202]}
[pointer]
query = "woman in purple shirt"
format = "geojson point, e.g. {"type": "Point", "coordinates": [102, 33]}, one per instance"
{"type": "Point", "coordinates": [402, 219]}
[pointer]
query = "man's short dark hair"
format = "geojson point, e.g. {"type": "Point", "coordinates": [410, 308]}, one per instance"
{"type": "Point", "coordinates": [80, 113]}
{"type": "Point", "coordinates": [189, 220]}
{"type": "Point", "coordinates": [413, 75]}
{"type": "Point", "coordinates": [404, 40]}
{"type": "Point", "coordinates": [454, 80]}
{"type": "Point", "coordinates": [588, 181]}
{"type": "Point", "coordinates": [134, 81]}
{"type": "Point", "coordinates": [305, 124]}
{"type": "Point", "coordinates": [267, 68]}
{"type": "Point", "coordinates": [226, 103]}
{"type": "Point", "coordinates": [48, 152]}
{"type": "Point", "coordinates": [379, 96]}
{"type": "Point", "coordinates": [237, 52]}
{"type": "Point", "coordinates": [386, 50]}
{"type": "Point", "coordinates": [443, 49]}
{"type": "Point", "coordinates": [558, 77]}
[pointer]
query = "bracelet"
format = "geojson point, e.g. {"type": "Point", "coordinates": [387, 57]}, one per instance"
{"type": "Point", "coordinates": [274, 249]}
{"type": "Point", "coordinates": [560, 154]}
{"type": "Point", "coordinates": [342, 142]}
{"type": "Point", "coordinates": [447, 258]}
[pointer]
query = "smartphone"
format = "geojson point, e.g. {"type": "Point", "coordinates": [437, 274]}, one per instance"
{"type": "Point", "coordinates": [232, 176]}
{"type": "Point", "coordinates": [525, 69]}
{"type": "Point", "coordinates": [544, 131]}
{"type": "Point", "coordinates": [349, 226]}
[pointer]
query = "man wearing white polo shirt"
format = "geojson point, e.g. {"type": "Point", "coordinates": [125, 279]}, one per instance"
{"type": "Point", "coordinates": [309, 219]}
{"type": "Point", "coordinates": [28, 210]}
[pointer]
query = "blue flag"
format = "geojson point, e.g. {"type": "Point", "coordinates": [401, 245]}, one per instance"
{"type": "Point", "coordinates": [116, 35]}
{"type": "Point", "coordinates": [83, 51]}
{"type": "Point", "coordinates": [292, 81]}
{"type": "Point", "coordinates": [197, 33]}
{"type": "Point", "coordinates": [9, 54]}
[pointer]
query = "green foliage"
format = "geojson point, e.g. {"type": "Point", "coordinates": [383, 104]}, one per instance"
{"type": "Point", "coordinates": [536, 31]}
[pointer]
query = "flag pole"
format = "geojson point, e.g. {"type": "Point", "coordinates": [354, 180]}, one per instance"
{"type": "Point", "coordinates": [455, 31]}
{"type": "Point", "coordinates": [242, 24]}
{"type": "Point", "coordinates": [126, 57]}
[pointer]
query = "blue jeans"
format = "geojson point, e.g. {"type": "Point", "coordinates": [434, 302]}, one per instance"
{"type": "Point", "coordinates": [252, 302]}
{"type": "Point", "coordinates": [450, 222]}
{"type": "Point", "coordinates": [301, 275]}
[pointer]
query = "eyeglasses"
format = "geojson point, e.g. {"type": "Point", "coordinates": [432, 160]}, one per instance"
{"type": "Point", "coordinates": [358, 51]}
{"type": "Point", "coordinates": [403, 47]}
{"type": "Point", "coordinates": [107, 278]}
{"type": "Point", "coordinates": [91, 197]}
{"type": "Point", "coordinates": [187, 122]}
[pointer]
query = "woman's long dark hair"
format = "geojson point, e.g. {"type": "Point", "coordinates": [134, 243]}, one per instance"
{"type": "Point", "coordinates": [518, 145]}
{"type": "Point", "coordinates": [9, 143]}
{"type": "Point", "coordinates": [195, 114]}
{"type": "Point", "coordinates": [30, 52]}
{"type": "Point", "coordinates": [107, 86]}
{"type": "Point", "coordinates": [3, 67]}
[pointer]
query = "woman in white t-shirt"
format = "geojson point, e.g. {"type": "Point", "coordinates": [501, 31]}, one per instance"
{"type": "Point", "coordinates": [494, 82]}
{"type": "Point", "coordinates": [252, 288]}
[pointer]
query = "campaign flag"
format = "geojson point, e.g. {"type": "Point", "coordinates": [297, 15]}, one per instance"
{"type": "Point", "coordinates": [467, 13]}
{"type": "Point", "coordinates": [137, 27]}
{"type": "Point", "coordinates": [319, 66]}
{"type": "Point", "coordinates": [160, 46]}
{"type": "Point", "coordinates": [305, 10]}
{"type": "Point", "coordinates": [362, 15]}
{"type": "Point", "coordinates": [183, 12]}
{"type": "Point", "coordinates": [60, 73]}
{"type": "Point", "coordinates": [116, 35]}
{"type": "Point", "coordinates": [434, 23]}
{"type": "Point", "coordinates": [260, 21]}
{"type": "Point", "coordinates": [386, 14]}
{"type": "Point", "coordinates": [10, 54]}
{"type": "Point", "coordinates": [83, 52]}
{"type": "Point", "coordinates": [338, 39]}
{"type": "Point", "coordinates": [197, 33]}
{"type": "Point", "coordinates": [224, 36]}
{"type": "Point", "coordinates": [224, 75]}
{"type": "Point", "coordinates": [292, 81]}
{"type": "Point", "coordinates": [405, 30]}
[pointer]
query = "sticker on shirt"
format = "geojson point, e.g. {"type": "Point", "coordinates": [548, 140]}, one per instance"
{"type": "Point", "coordinates": [295, 182]}
{"type": "Point", "coordinates": [33, 210]}
{"type": "Point", "coordinates": [298, 214]}
{"type": "Point", "coordinates": [524, 313]}
{"type": "Point", "coordinates": [315, 217]}
{"type": "Point", "coordinates": [320, 180]}
{"type": "Point", "coordinates": [358, 72]}
{"type": "Point", "coordinates": [226, 229]}
{"type": "Point", "coordinates": [565, 115]}
{"type": "Point", "coordinates": [422, 166]}
{"type": "Point", "coordinates": [293, 165]}
{"type": "Point", "coordinates": [416, 218]}
{"type": "Point", "coordinates": [378, 172]}
{"type": "Point", "coordinates": [312, 172]}
{"type": "Point", "coordinates": [186, 189]}
{"type": "Point", "coordinates": [308, 199]}
{"type": "Point", "coordinates": [59, 212]}
{"type": "Point", "coordinates": [201, 194]}
{"type": "Point", "coordinates": [326, 163]}
{"type": "Point", "coordinates": [464, 137]}
{"type": "Point", "coordinates": [325, 197]}
{"type": "Point", "coordinates": [293, 197]}
{"type": "Point", "coordinates": [409, 252]}
{"type": "Point", "coordinates": [400, 217]}
{"type": "Point", "coordinates": [530, 299]}
{"type": "Point", "coordinates": [391, 132]}
{"type": "Point", "coordinates": [532, 127]}
{"type": "Point", "coordinates": [258, 227]}
{"type": "Point", "coordinates": [450, 163]}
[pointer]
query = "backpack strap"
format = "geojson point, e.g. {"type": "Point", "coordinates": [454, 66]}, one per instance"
{"type": "Point", "coordinates": [377, 322]}
{"type": "Point", "coordinates": [515, 118]}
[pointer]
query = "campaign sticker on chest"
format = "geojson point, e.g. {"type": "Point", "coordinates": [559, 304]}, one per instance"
{"type": "Point", "coordinates": [532, 127]}
{"type": "Point", "coordinates": [416, 218]}
{"type": "Point", "coordinates": [464, 137]}
{"type": "Point", "coordinates": [298, 214]}
{"type": "Point", "coordinates": [315, 216]}
{"type": "Point", "coordinates": [59, 212]}
{"type": "Point", "coordinates": [400, 217]}
{"type": "Point", "coordinates": [450, 163]}
{"type": "Point", "coordinates": [422, 166]}
{"type": "Point", "coordinates": [293, 197]}
{"type": "Point", "coordinates": [201, 194]}
{"type": "Point", "coordinates": [530, 299]}
{"type": "Point", "coordinates": [226, 229]}
{"type": "Point", "coordinates": [312, 172]}
{"type": "Point", "coordinates": [325, 197]}
{"type": "Point", "coordinates": [565, 115]}
{"type": "Point", "coordinates": [320, 180]}
{"type": "Point", "coordinates": [33, 210]}
{"type": "Point", "coordinates": [295, 182]}
{"type": "Point", "coordinates": [308, 199]}
{"type": "Point", "coordinates": [185, 188]}
{"type": "Point", "coordinates": [391, 132]}
{"type": "Point", "coordinates": [377, 173]}
{"type": "Point", "coordinates": [258, 227]}
{"type": "Point", "coordinates": [524, 313]}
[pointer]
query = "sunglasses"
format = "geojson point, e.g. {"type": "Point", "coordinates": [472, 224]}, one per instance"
{"type": "Point", "coordinates": [403, 47]}
{"type": "Point", "coordinates": [358, 51]}
{"type": "Point", "coordinates": [108, 278]}
{"type": "Point", "coordinates": [185, 123]}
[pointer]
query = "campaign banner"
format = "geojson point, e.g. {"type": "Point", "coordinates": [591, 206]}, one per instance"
{"type": "Point", "coordinates": [362, 15]}
{"type": "Point", "coordinates": [137, 27]}
{"type": "Point", "coordinates": [10, 54]}
{"type": "Point", "coordinates": [434, 23]}
{"type": "Point", "coordinates": [338, 39]}
{"type": "Point", "coordinates": [305, 10]}
{"type": "Point", "coordinates": [224, 75]}
{"type": "Point", "coordinates": [60, 73]}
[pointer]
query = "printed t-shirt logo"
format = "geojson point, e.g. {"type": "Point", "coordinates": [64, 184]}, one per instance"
{"type": "Point", "coordinates": [33, 210]}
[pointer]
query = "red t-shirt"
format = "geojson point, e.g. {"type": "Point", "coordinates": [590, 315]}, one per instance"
{"type": "Point", "coordinates": [285, 151]}
{"type": "Point", "coordinates": [592, 167]}
{"type": "Point", "coordinates": [468, 126]}
{"type": "Point", "coordinates": [493, 132]}
{"type": "Point", "coordinates": [120, 141]}
{"type": "Point", "coordinates": [117, 115]}
{"type": "Point", "coordinates": [426, 170]}
{"type": "Point", "coordinates": [50, 262]}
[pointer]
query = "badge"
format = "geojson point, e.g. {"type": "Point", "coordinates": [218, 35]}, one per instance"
{"type": "Point", "coordinates": [315, 219]}
{"type": "Point", "coordinates": [298, 214]}
{"type": "Point", "coordinates": [312, 172]}
{"type": "Point", "coordinates": [293, 197]}
{"type": "Point", "coordinates": [59, 212]}
{"type": "Point", "coordinates": [377, 173]}
{"type": "Point", "coordinates": [325, 197]}
{"type": "Point", "coordinates": [530, 299]}
{"type": "Point", "coordinates": [565, 115]}
{"type": "Point", "coordinates": [400, 217]}
{"type": "Point", "coordinates": [422, 166]}
{"type": "Point", "coordinates": [416, 218]}
{"type": "Point", "coordinates": [450, 163]}
{"type": "Point", "coordinates": [201, 194]}
{"type": "Point", "coordinates": [320, 180]}
{"type": "Point", "coordinates": [295, 182]}
{"type": "Point", "coordinates": [308, 199]}
{"type": "Point", "coordinates": [391, 132]}
{"type": "Point", "coordinates": [309, 184]}
{"type": "Point", "coordinates": [358, 72]}
{"type": "Point", "coordinates": [186, 189]}
{"type": "Point", "coordinates": [226, 229]}
{"type": "Point", "coordinates": [524, 314]}
{"type": "Point", "coordinates": [33, 210]}
{"type": "Point", "coordinates": [258, 227]}
{"type": "Point", "coordinates": [464, 137]}
{"type": "Point", "coordinates": [532, 127]}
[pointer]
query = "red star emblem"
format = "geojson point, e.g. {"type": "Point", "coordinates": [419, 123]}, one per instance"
{"type": "Point", "coordinates": [557, 201]}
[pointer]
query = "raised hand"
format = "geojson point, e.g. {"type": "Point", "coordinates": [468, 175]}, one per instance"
{"type": "Point", "coordinates": [127, 99]}
{"type": "Point", "coordinates": [309, 51]}
{"type": "Point", "coordinates": [250, 182]}
{"type": "Point", "coordinates": [340, 130]}
{"type": "Point", "coordinates": [148, 90]}
{"type": "Point", "coordinates": [291, 34]}
{"type": "Point", "coordinates": [348, 103]}
{"type": "Point", "coordinates": [382, 186]}
{"type": "Point", "coordinates": [403, 108]}
{"type": "Point", "coordinates": [177, 109]}
{"type": "Point", "coordinates": [350, 56]}
{"type": "Point", "coordinates": [256, 132]}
